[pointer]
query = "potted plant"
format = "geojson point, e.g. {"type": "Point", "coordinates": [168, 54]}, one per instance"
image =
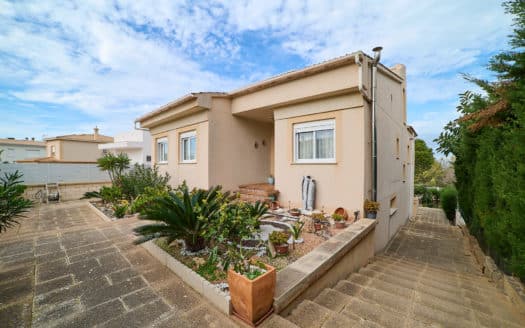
{"type": "Point", "coordinates": [274, 205]}
{"type": "Point", "coordinates": [339, 221]}
{"type": "Point", "coordinates": [319, 220]}
{"type": "Point", "coordinates": [294, 211]}
{"type": "Point", "coordinates": [371, 209]}
{"type": "Point", "coordinates": [279, 239]}
{"type": "Point", "coordinates": [251, 284]}
{"type": "Point", "coordinates": [296, 230]}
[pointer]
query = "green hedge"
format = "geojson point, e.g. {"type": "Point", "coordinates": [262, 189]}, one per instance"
{"type": "Point", "coordinates": [449, 200]}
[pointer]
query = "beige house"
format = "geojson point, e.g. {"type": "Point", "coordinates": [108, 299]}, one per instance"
{"type": "Point", "coordinates": [79, 148]}
{"type": "Point", "coordinates": [315, 122]}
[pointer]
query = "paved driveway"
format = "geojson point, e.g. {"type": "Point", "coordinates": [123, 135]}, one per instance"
{"type": "Point", "coordinates": [64, 266]}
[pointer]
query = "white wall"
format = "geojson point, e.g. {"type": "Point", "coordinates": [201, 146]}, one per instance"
{"type": "Point", "coordinates": [41, 173]}
{"type": "Point", "coordinates": [13, 153]}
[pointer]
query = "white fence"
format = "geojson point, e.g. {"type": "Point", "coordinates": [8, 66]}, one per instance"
{"type": "Point", "coordinates": [41, 173]}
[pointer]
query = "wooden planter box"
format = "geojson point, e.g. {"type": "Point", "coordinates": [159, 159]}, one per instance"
{"type": "Point", "coordinates": [252, 300]}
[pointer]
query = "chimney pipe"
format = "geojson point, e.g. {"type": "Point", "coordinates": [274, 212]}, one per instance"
{"type": "Point", "coordinates": [95, 134]}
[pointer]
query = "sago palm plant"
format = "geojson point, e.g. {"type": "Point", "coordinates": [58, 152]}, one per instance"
{"type": "Point", "coordinates": [182, 215]}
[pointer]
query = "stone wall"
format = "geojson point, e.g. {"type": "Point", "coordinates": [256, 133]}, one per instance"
{"type": "Point", "coordinates": [68, 191]}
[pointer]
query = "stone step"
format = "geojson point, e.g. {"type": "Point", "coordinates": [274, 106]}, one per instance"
{"type": "Point", "coordinates": [276, 321]}
{"type": "Point", "coordinates": [403, 306]}
{"type": "Point", "coordinates": [309, 314]}
{"type": "Point", "coordinates": [418, 265]}
{"type": "Point", "coordinates": [436, 285]}
{"type": "Point", "coordinates": [254, 198]}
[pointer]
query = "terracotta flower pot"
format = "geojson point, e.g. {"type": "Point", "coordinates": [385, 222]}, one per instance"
{"type": "Point", "coordinates": [341, 211]}
{"type": "Point", "coordinates": [274, 205]}
{"type": "Point", "coordinates": [252, 299]}
{"type": "Point", "coordinates": [281, 249]}
{"type": "Point", "coordinates": [340, 224]}
{"type": "Point", "coordinates": [318, 226]}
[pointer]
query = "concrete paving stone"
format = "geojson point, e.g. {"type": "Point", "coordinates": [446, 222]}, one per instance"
{"type": "Point", "coordinates": [16, 315]}
{"type": "Point", "coordinates": [49, 316]}
{"type": "Point", "coordinates": [276, 321]}
{"type": "Point", "coordinates": [139, 257]}
{"type": "Point", "coordinates": [13, 248]}
{"type": "Point", "coordinates": [14, 274]}
{"type": "Point", "coordinates": [52, 270]}
{"type": "Point", "coordinates": [142, 316]}
{"type": "Point", "coordinates": [139, 297]}
{"type": "Point", "coordinates": [51, 285]}
{"type": "Point", "coordinates": [46, 239]}
{"type": "Point", "coordinates": [100, 295]}
{"type": "Point", "coordinates": [114, 259]}
{"type": "Point", "coordinates": [69, 292]}
{"type": "Point", "coordinates": [86, 249]}
{"type": "Point", "coordinates": [94, 316]}
{"type": "Point", "coordinates": [47, 248]}
{"type": "Point", "coordinates": [206, 316]}
{"type": "Point", "coordinates": [122, 275]}
{"type": "Point", "coordinates": [158, 275]}
{"type": "Point", "coordinates": [93, 253]}
{"type": "Point", "coordinates": [16, 290]}
{"type": "Point", "coordinates": [47, 258]}
{"type": "Point", "coordinates": [179, 295]}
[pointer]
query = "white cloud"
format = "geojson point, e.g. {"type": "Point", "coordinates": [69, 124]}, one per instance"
{"type": "Point", "coordinates": [117, 59]}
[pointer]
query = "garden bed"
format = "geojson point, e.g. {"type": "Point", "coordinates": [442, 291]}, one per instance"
{"type": "Point", "coordinates": [106, 212]}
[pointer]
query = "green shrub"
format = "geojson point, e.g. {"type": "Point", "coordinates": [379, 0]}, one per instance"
{"type": "Point", "coordinates": [420, 190]}
{"type": "Point", "coordinates": [147, 198]}
{"type": "Point", "coordinates": [134, 182]}
{"type": "Point", "coordinates": [12, 202]}
{"type": "Point", "coordinates": [110, 194]}
{"type": "Point", "coordinates": [120, 210]}
{"type": "Point", "coordinates": [278, 237]}
{"type": "Point", "coordinates": [182, 215]}
{"type": "Point", "coordinates": [449, 200]}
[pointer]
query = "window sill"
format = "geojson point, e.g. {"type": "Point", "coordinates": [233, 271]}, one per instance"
{"type": "Point", "coordinates": [393, 211]}
{"type": "Point", "coordinates": [188, 162]}
{"type": "Point", "coordinates": [161, 163]}
{"type": "Point", "coordinates": [313, 163]}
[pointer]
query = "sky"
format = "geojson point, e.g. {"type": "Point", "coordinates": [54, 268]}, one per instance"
{"type": "Point", "coordinates": [66, 67]}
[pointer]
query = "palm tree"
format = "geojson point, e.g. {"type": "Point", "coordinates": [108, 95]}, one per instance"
{"type": "Point", "coordinates": [114, 165]}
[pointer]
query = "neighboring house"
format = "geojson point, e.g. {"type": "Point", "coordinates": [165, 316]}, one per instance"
{"type": "Point", "coordinates": [13, 150]}
{"type": "Point", "coordinates": [315, 121]}
{"type": "Point", "coordinates": [73, 148]}
{"type": "Point", "coordinates": [136, 144]}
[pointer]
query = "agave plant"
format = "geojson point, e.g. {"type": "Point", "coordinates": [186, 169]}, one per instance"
{"type": "Point", "coordinates": [182, 215]}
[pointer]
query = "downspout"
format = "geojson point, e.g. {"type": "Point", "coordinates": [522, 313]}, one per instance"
{"type": "Point", "coordinates": [377, 57]}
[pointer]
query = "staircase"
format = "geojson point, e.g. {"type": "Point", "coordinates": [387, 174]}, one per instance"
{"type": "Point", "coordinates": [257, 192]}
{"type": "Point", "coordinates": [426, 278]}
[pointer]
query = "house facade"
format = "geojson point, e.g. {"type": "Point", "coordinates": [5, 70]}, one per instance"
{"type": "Point", "coordinates": [136, 144]}
{"type": "Point", "coordinates": [13, 150]}
{"type": "Point", "coordinates": [73, 148]}
{"type": "Point", "coordinates": [311, 122]}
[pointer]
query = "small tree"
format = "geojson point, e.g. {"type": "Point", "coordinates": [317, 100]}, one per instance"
{"type": "Point", "coordinates": [12, 203]}
{"type": "Point", "coordinates": [114, 165]}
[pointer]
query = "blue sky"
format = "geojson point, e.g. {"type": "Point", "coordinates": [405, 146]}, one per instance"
{"type": "Point", "coordinates": [66, 67]}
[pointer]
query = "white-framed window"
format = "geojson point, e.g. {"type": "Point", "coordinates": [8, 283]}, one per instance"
{"type": "Point", "coordinates": [314, 142]}
{"type": "Point", "coordinates": [162, 150]}
{"type": "Point", "coordinates": [188, 147]}
{"type": "Point", "coordinates": [53, 150]}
